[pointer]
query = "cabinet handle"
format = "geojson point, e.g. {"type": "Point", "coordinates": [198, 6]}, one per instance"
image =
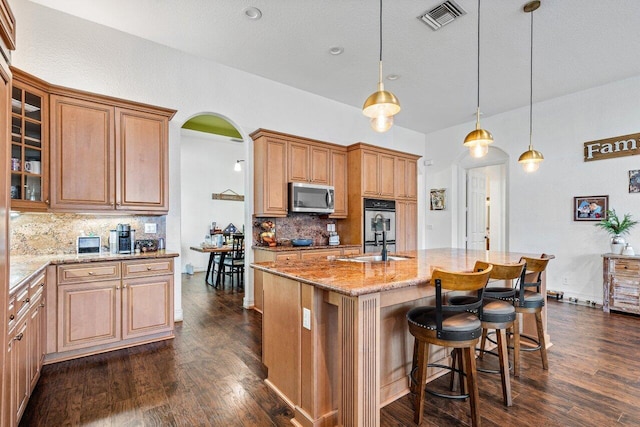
{"type": "Point", "coordinates": [41, 304]}
{"type": "Point", "coordinates": [27, 300]}
{"type": "Point", "coordinates": [11, 317]}
{"type": "Point", "coordinates": [91, 273]}
{"type": "Point", "coordinates": [19, 336]}
{"type": "Point", "coordinates": [148, 268]}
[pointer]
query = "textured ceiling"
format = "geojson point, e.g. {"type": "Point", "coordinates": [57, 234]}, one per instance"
{"type": "Point", "coordinates": [578, 44]}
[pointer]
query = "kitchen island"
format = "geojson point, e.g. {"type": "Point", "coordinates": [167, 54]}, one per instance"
{"type": "Point", "coordinates": [335, 337]}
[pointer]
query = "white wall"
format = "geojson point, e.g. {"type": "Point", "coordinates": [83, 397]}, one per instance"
{"type": "Point", "coordinates": [68, 51]}
{"type": "Point", "coordinates": [540, 204]}
{"type": "Point", "coordinates": [206, 166]}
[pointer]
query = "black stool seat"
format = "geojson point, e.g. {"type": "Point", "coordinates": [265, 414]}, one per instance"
{"type": "Point", "coordinates": [455, 326]}
{"type": "Point", "coordinates": [531, 300]}
{"type": "Point", "coordinates": [499, 292]}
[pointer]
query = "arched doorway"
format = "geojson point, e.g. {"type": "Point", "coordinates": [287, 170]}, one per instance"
{"type": "Point", "coordinates": [483, 221]}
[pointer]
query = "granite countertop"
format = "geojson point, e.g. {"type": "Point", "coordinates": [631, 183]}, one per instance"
{"type": "Point", "coordinates": [26, 267]}
{"type": "Point", "coordinates": [360, 278]}
{"type": "Point", "coordinates": [301, 248]}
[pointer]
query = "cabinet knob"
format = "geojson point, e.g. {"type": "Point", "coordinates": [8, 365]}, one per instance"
{"type": "Point", "coordinates": [112, 204]}
{"type": "Point", "coordinates": [11, 317]}
{"type": "Point", "coordinates": [41, 304]}
{"type": "Point", "coordinates": [47, 201]}
{"type": "Point", "coordinates": [124, 286]}
{"type": "Point", "coordinates": [90, 273]}
{"type": "Point", "coordinates": [27, 300]}
{"type": "Point", "coordinates": [19, 336]}
{"type": "Point", "coordinates": [42, 285]}
{"type": "Point", "coordinates": [118, 204]}
{"type": "Point", "coordinates": [148, 268]}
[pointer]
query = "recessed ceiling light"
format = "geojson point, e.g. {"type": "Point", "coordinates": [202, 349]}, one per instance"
{"type": "Point", "coordinates": [393, 77]}
{"type": "Point", "coordinates": [336, 50]}
{"type": "Point", "coordinates": [252, 13]}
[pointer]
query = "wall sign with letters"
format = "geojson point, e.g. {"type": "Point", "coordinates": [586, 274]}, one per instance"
{"type": "Point", "coordinates": [619, 146]}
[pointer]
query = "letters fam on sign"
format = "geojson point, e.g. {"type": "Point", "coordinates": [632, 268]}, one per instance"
{"type": "Point", "coordinates": [618, 146]}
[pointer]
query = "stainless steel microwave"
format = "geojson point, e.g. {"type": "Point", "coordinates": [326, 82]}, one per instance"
{"type": "Point", "coordinates": [311, 198]}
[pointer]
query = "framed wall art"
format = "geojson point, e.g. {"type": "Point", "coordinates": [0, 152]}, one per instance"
{"type": "Point", "coordinates": [438, 199]}
{"type": "Point", "coordinates": [590, 208]}
{"type": "Point", "coordinates": [634, 181]}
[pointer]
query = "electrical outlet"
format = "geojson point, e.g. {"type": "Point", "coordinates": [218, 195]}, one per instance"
{"type": "Point", "coordinates": [150, 228]}
{"type": "Point", "coordinates": [306, 318]}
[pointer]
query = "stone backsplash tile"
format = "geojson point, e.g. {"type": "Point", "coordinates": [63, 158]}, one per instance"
{"type": "Point", "coordinates": [296, 226]}
{"type": "Point", "coordinates": [45, 234]}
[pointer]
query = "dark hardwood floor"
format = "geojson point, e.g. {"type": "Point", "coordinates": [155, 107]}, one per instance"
{"type": "Point", "coordinates": [211, 375]}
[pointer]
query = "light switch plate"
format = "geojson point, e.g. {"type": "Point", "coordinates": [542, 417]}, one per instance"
{"type": "Point", "coordinates": [306, 318]}
{"type": "Point", "coordinates": [150, 228]}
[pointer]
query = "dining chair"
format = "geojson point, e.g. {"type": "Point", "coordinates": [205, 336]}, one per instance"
{"type": "Point", "coordinates": [234, 261]}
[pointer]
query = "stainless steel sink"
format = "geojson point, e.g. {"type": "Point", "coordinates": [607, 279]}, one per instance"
{"type": "Point", "coordinates": [374, 258]}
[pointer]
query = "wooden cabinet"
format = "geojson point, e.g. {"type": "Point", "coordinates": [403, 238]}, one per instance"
{"type": "Point", "coordinates": [25, 346]}
{"type": "Point", "coordinates": [621, 285]}
{"type": "Point", "coordinates": [377, 174]}
{"type": "Point", "coordinates": [107, 305]}
{"type": "Point", "coordinates": [280, 158]}
{"type": "Point", "coordinates": [124, 168]}
{"type": "Point", "coordinates": [406, 178]}
{"type": "Point", "coordinates": [29, 143]}
{"type": "Point", "coordinates": [270, 175]}
{"type": "Point", "coordinates": [308, 163]}
{"type": "Point", "coordinates": [406, 226]}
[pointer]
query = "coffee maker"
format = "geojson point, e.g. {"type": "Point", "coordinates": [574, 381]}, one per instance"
{"type": "Point", "coordinates": [124, 239]}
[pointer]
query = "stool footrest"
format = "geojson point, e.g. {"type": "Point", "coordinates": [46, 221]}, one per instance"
{"type": "Point", "coordinates": [435, 393]}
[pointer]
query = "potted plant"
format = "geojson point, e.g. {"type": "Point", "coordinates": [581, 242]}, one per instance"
{"type": "Point", "coordinates": [616, 228]}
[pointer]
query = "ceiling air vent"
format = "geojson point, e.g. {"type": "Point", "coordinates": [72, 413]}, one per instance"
{"type": "Point", "coordinates": [442, 14]}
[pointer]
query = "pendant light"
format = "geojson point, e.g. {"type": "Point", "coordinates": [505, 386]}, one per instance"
{"type": "Point", "coordinates": [531, 159]}
{"type": "Point", "coordinates": [381, 105]}
{"type": "Point", "coordinates": [478, 140]}
{"type": "Point", "coordinates": [237, 167]}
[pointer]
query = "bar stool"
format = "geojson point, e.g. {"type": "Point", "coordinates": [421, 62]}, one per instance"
{"type": "Point", "coordinates": [449, 326]}
{"type": "Point", "coordinates": [499, 314]}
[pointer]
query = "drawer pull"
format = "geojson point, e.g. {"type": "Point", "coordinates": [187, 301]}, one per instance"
{"type": "Point", "coordinates": [148, 268]}
{"type": "Point", "coordinates": [42, 285]}
{"type": "Point", "coordinates": [41, 304]}
{"type": "Point", "coordinates": [27, 300]}
{"type": "Point", "coordinates": [11, 317]}
{"type": "Point", "coordinates": [19, 336]}
{"type": "Point", "coordinates": [91, 273]}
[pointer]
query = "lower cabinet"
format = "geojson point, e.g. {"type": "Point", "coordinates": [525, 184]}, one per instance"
{"type": "Point", "coordinates": [107, 305]}
{"type": "Point", "coordinates": [25, 344]}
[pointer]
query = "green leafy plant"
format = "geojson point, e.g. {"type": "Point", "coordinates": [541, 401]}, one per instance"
{"type": "Point", "coordinates": [614, 225]}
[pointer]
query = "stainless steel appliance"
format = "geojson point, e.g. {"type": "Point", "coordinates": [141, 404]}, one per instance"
{"type": "Point", "coordinates": [379, 215]}
{"type": "Point", "coordinates": [311, 198]}
{"type": "Point", "coordinates": [126, 238]}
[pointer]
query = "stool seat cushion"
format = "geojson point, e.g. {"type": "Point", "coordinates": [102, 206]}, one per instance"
{"type": "Point", "coordinates": [499, 292]}
{"type": "Point", "coordinates": [531, 299]}
{"type": "Point", "coordinates": [496, 306]}
{"type": "Point", "coordinates": [425, 317]}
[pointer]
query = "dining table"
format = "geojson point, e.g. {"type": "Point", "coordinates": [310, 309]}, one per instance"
{"type": "Point", "coordinates": [212, 250]}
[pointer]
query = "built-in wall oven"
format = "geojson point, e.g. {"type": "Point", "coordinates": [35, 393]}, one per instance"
{"type": "Point", "coordinates": [379, 215]}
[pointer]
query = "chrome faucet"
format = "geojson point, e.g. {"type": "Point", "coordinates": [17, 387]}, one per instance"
{"type": "Point", "coordinates": [384, 235]}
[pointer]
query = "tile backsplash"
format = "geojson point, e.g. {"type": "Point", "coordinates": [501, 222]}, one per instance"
{"type": "Point", "coordinates": [296, 226]}
{"type": "Point", "coordinates": [46, 233]}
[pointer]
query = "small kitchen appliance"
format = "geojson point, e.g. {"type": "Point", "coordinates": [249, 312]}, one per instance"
{"type": "Point", "coordinates": [334, 238]}
{"type": "Point", "coordinates": [126, 238]}
{"type": "Point", "coordinates": [311, 198]}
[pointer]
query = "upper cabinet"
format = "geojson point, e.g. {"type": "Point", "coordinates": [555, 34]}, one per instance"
{"type": "Point", "coordinates": [29, 143]}
{"type": "Point", "coordinates": [280, 158]}
{"type": "Point", "coordinates": [406, 178]}
{"type": "Point", "coordinates": [102, 155]}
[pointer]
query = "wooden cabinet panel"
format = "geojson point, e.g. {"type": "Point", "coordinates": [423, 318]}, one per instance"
{"type": "Point", "coordinates": [147, 267]}
{"type": "Point", "coordinates": [20, 367]}
{"type": "Point", "coordinates": [320, 165]}
{"type": "Point", "coordinates": [85, 272]}
{"type": "Point", "coordinates": [406, 226]}
{"type": "Point", "coordinates": [411, 180]}
{"type": "Point", "coordinates": [142, 182]}
{"type": "Point", "coordinates": [147, 306]}
{"type": "Point", "coordinates": [270, 176]}
{"type": "Point", "coordinates": [83, 155]}
{"type": "Point", "coordinates": [322, 253]}
{"type": "Point", "coordinates": [370, 173]}
{"type": "Point", "coordinates": [386, 175]}
{"type": "Point", "coordinates": [621, 284]}
{"type": "Point", "coordinates": [339, 174]}
{"type": "Point", "coordinates": [89, 314]}
{"type": "Point", "coordinates": [287, 256]}
{"type": "Point", "coordinates": [299, 166]}
{"type": "Point", "coordinates": [406, 179]}
{"type": "Point", "coordinates": [35, 338]}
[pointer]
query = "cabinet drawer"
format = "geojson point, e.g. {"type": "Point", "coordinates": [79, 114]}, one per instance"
{"type": "Point", "coordinates": [147, 267]}
{"type": "Point", "coordinates": [351, 251]}
{"type": "Point", "coordinates": [22, 302]}
{"type": "Point", "coordinates": [287, 256]}
{"type": "Point", "coordinates": [320, 253]}
{"type": "Point", "coordinates": [87, 272]}
{"type": "Point", "coordinates": [37, 285]}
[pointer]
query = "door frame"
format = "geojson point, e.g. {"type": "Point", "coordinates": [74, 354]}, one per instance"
{"type": "Point", "coordinates": [495, 157]}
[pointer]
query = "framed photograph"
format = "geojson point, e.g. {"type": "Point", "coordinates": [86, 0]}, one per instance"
{"type": "Point", "coordinates": [590, 208]}
{"type": "Point", "coordinates": [438, 201]}
{"type": "Point", "coordinates": [634, 181]}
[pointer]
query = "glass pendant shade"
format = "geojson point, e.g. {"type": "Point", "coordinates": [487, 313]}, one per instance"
{"type": "Point", "coordinates": [530, 160]}
{"type": "Point", "coordinates": [382, 123]}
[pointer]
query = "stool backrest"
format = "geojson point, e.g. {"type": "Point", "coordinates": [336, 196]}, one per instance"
{"type": "Point", "coordinates": [237, 246]}
{"type": "Point", "coordinates": [533, 269]}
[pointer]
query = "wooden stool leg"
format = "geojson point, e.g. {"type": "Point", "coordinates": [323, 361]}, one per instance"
{"type": "Point", "coordinates": [461, 366]}
{"type": "Point", "coordinates": [454, 361]}
{"type": "Point", "coordinates": [543, 344]}
{"type": "Point", "coordinates": [503, 352]}
{"type": "Point", "coordinates": [483, 342]}
{"type": "Point", "coordinates": [516, 346]}
{"type": "Point", "coordinates": [414, 364]}
{"type": "Point", "coordinates": [421, 379]}
{"type": "Point", "coordinates": [472, 383]}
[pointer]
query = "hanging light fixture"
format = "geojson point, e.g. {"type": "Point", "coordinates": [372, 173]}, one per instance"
{"type": "Point", "coordinates": [381, 105]}
{"type": "Point", "coordinates": [531, 159]}
{"type": "Point", "coordinates": [478, 140]}
{"type": "Point", "coordinates": [237, 167]}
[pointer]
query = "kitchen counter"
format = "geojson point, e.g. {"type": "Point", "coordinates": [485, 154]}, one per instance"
{"type": "Point", "coordinates": [335, 335]}
{"type": "Point", "coordinates": [301, 248]}
{"type": "Point", "coordinates": [25, 267]}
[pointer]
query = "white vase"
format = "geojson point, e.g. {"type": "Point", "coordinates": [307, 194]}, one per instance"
{"type": "Point", "coordinates": [617, 244]}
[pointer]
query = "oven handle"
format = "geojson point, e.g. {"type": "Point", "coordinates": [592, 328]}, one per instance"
{"type": "Point", "coordinates": [329, 199]}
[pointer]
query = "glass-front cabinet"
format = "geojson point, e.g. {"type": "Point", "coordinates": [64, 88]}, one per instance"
{"type": "Point", "coordinates": [29, 146]}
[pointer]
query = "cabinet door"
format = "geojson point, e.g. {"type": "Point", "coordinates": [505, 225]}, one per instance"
{"type": "Point", "coordinates": [400, 177]}
{"type": "Point", "coordinates": [270, 177]}
{"type": "Point", "coordinates": [35, 339]}
{"type": "Point", "coordinates": [386, 175]}
{"type": "Point", "coordinates": [339, 173]}
{"type": "Point", "coordinates": [406, 226]}
{"type": "Point", "coordinates": [20, 364]}
{"type": "Point", "coordinates": [411, 180]}
{"type": "Point", "coordinates": [311, 254]}
{"type": "Point", "coordinates": [320, 165]}
{"type": "Point", "coordinates": [82, 155]}
{"type": "Point", "coordinates": [142, 179]}
{"type": "Point", "coordinates": [370, 173]}
{"type": "Point", "coordinates": [89, 314]}
{"type": "Point", "coordinates": [299, 167]}
{"type": "Point", "coordinates": [147, 306]}
{"type": "Point", "coordinates": [401, 226]}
